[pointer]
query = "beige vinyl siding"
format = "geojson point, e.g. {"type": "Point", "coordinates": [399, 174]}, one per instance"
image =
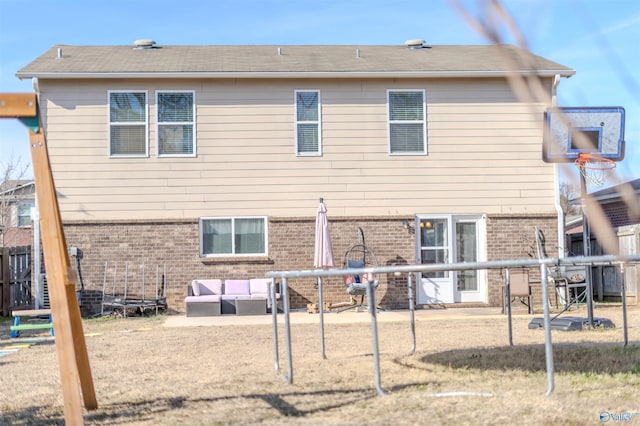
{"type": "Point", "coordinates": [484, 152]}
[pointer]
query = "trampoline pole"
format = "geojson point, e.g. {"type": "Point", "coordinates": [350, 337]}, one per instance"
{"type": "Point", "coordinates": [508, 296]}
{"type": "Point", "coordinates": [287, 329]}
{"type": "Point", "coordinates": [624, 305]}
{"type": "Point", "coordinates": [371, 296]}
{"type": "Point", "coordinates": [274, 317]}
{"type": "Point", "coordinates": [548, 348]}
{"type": "Point", "coordinates": [321, 312]}
{"type": "Point", "coordinates": [412, 309]}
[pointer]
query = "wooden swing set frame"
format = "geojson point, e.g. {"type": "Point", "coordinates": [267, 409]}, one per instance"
{"type": "Point", "coordinates": [71, 349]}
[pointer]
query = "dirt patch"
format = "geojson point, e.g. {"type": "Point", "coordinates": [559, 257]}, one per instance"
{"type": "Point", "coordinates": [463, 371]}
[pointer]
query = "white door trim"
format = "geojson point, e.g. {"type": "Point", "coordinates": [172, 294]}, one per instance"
{"type": "Point", "coordinates": [443, 289]}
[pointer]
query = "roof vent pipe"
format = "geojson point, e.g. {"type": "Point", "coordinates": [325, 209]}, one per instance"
{"type": "Point", "coordinates": [59, 52]}
{"type": "Point", "coordinates": [145, 43]}
{"type": "Point", "coordinates": [279, 51]}
{"type": "Point", "coordinates": [357, 53]}
{"type": "Point", "coordinates": [415, 43]}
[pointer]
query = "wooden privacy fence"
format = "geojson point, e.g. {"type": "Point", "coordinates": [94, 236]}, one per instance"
{"type": "Point", "coordinates": [15, 279]}
{"type": "Point", "coordinates": [629, 237]}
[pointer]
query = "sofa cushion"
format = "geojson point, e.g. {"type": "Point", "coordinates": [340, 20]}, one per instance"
{"type": "Point", "coordinates": [236, 297]}
{"type": "Point", "coordinates": [260, 296]}
{"type": "Point", "coordinates": [208, 287]}
{"type": "Point", "coordinates": [265, 295]}
{"type": "Point", "coordinates": [235, 287]}
{"type": "Point", "coordinates": [195, 288]}
{"type": "Point", "coordinates": [203, 299]}
{"type": "Point", "coordinates": [259, 285]}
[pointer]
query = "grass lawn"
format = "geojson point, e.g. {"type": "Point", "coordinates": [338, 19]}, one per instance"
{"type": "Point", "coordinates": [463, 371]}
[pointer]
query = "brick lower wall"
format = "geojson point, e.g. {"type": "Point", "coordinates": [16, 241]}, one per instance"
{"type": "Point", "coordinates": [17, 237]}
{"type": "Point", "coordinates": [171, 248]}
{"type": "Point", "coordinates": [513, 237]}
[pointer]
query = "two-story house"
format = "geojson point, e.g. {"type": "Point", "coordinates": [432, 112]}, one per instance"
{"type": "Point", "coordinates": [17, 201]}
{"type": "Point", "coordinates": [210, 160]}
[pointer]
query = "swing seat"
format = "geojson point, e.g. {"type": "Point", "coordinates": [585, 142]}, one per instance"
{"type": "Point", "coordinates": [359, 257]}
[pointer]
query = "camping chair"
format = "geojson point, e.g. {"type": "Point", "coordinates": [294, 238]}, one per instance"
{"type": "Point", "coordinates": [358, 257]}
{"type": "Point", "coordinates": [519, 289]}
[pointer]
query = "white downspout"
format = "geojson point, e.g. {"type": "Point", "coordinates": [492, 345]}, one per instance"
{"type": "Point", "coordinates": [556, 179]}
{"type": "Point", "coordinates": [36, 86]}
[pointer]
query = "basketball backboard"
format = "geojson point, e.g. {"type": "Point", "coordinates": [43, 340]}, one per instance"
{"type": "Point", "coordinates": [570, 131]}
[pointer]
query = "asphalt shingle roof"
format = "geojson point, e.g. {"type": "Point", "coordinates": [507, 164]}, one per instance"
{"type": "Point", "coordinates": [12, 186]}
{"type": "Point", "coordinates": [447, 60]}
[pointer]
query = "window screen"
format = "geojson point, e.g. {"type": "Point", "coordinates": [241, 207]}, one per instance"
{"type": "Point", "coordinates": [176, 123]}
{"type": "Point", "coordinates": [127, 123]}
{"type": "Point", "coordinates": [308, 122]}
{"type": "Point", "coordinates": [407, 123]}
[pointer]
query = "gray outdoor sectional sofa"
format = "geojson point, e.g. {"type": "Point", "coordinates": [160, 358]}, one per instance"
{"type": "Point", "coordinates": [236, 297]}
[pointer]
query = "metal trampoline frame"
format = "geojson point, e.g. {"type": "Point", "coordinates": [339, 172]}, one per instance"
{"type": "Point", "coordinates": [543, 264]}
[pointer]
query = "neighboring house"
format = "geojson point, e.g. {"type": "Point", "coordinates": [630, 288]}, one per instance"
{"type": "Point", "coordinates": [623, 213]}
{"type": "Point", "coordinates": [210, 160]}
{"type": "Point", "coordinates": [17, 201]}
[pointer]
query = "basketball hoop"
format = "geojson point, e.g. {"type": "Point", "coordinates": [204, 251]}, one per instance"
{"type": "Point", "coordinates": [595, 170]}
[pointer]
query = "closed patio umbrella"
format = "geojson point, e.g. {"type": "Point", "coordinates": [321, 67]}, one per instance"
{"type": "Point", "coordinates": [323, 258]}
{"type": "Point", "coordinates": [324, 252]}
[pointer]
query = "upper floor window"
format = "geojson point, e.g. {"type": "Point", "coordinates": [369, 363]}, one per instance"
{"type": "Point", "coordinates": [176, 123]}
{"type": "Point", "coordinates": [308, 128]}
{"type": "Point", "coordinates": [24, 213]}
{"type": "Point", "coordinates": [128, 122]}
{"type": "Point", "coordinates": [407, 122]}
{"type": "Point", "coordinates": [233, 236]}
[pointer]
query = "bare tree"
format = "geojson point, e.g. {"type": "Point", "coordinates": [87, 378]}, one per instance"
{"type": "Point", "coordinates": [568, 195]}
{"type": "Point", "coordinates": [12, 174]}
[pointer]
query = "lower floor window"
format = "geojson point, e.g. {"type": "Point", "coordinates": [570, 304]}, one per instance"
{"type": "Point", "coordinates": [231, 236]}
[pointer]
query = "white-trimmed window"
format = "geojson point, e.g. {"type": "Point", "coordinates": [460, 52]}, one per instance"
{"type": "Point", "coordinates": [233, 236]}
{"type": "Point", "coordinates": [24, 209]}
{"type": "Point", "coordinates": [176, 123]}
{"type": "Point", "coordinates": [308, 124]}
{"type": "Point", "coordinates": [407, 122]}
{"type": "Point", "coordinates": [128, 124]}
